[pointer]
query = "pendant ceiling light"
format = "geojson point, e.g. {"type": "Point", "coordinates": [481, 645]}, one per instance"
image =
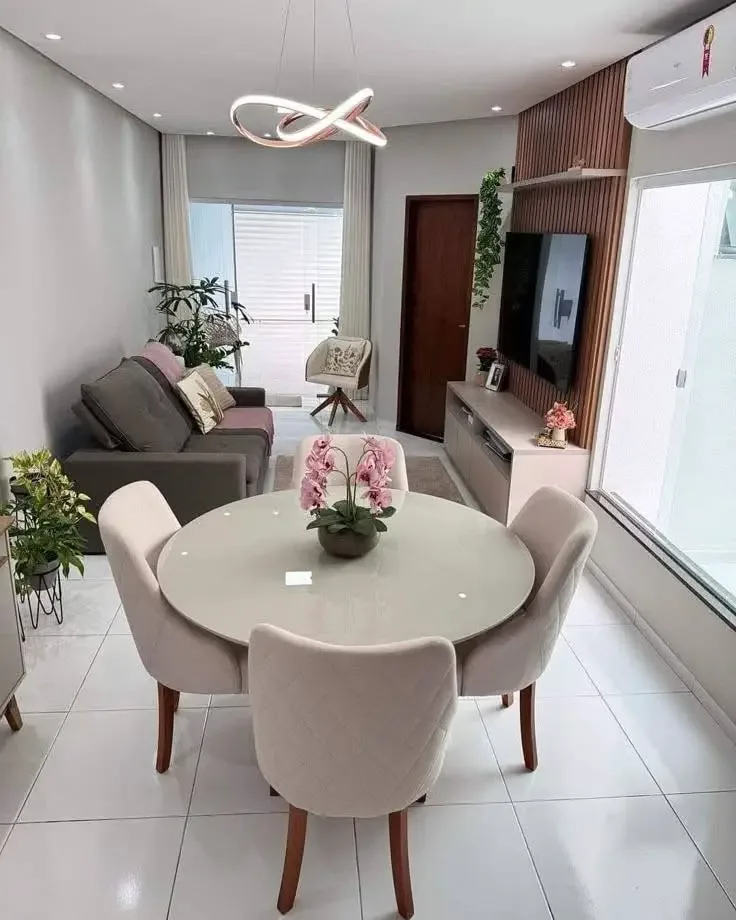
{"type": "Point", "coordinates": [323, 123]}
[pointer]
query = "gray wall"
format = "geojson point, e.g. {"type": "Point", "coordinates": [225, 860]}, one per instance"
{"type": "Point", "coordinates": [234, 169]}
{"type": "Point", "coordinates": [438, 159]}
{"type": "Point", "coordinates": [80, 209]}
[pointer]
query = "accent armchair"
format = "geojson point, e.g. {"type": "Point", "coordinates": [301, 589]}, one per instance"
{"type": "Point", "coordinates": [559, 532]}
{"type": "Point", "coordinates": [135, 523]}
{"type": "Point", "coordinates": [349, 732]}
{"type": "Point", "coordinates": [320, 366]}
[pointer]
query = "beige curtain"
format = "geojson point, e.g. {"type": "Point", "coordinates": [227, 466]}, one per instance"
{"type": "Point", "coordinates": [355, 291]}
{"type": "Point", "coordinates": [177, 247]}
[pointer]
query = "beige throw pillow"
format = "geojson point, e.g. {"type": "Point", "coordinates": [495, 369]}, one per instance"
{"type": "Point", "coordinates": [219, 390]}
{"type": "Point", "coordinates": [201, 402]}
{"type": "Point", "coordinates": [343, 358]}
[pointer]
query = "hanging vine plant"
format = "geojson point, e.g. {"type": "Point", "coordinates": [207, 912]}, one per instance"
{"type": "Point", "coordinates": [488, 243]}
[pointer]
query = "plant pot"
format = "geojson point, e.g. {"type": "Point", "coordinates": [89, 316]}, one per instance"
{"type": "Point", "coordinates": [44, 577]}
{"type": "Point", "coordinates": [480, 378]}
{"type": "Point", "coordinates": [346, 543]}
{"type": "Point", "coordinates": [558, 434]}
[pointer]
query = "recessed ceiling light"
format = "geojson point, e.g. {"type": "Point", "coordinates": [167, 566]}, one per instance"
{"type": "Point", "coordinates": [209, 132]}
{"type": "Point", "coordinates": [156, 114]}
{"type": "Point", "coordinates": [495, 108]}
{"type": "Point", "coordinates": [568, 64]}
{"type": "Point", "coordinates": [118, 86]}
{"type": "Point", "coordinates": [268, 134]}
{"type": "Point", "coordinates": [52, 37]}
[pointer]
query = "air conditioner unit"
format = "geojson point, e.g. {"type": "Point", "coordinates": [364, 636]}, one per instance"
{"type": "Point", "coordinates": [690, 75]}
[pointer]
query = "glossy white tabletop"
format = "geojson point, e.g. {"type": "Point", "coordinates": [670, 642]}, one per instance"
{"type": "Point", "coordinates": [442, 569]}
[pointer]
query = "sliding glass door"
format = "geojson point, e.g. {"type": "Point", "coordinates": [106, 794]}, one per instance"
{"type": "Point", "coordinates": [284, 264]}
{"type": "Point", "coordinates": [670, 443]}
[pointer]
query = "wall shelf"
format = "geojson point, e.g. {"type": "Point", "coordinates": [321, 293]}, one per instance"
{"type": "Point", "coordinates": [577, 174]}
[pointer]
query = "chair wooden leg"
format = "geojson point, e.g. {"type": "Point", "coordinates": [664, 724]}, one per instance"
{"type": "Point", "coordinates": [166, 708]}
{"type": "Point", "coordinates": [353, 408]}
{"type": "Point", "coordinates": [335, 407]}
{"type": "Point", "coordinates": [322, 405]}
{"type": "Point", "coordinates": [399, 844]}
{"type": "Point", "coordinates": [272, 792]}
{"type": "Point", "coordinates": [528, 730]}
{"type": "Point", "coordinates": [292, 859]}
{"type": "Point", "coordinates": [421, 800]}
{"type": "Point", "coordinates": [176, 700]}
{"type": "Point", "coordinates": [12, 714]}
{"type": "Point", "coordinates": [507, 700]}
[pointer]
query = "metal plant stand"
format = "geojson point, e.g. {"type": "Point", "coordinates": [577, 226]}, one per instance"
{"type": "Point", "coordinates": [48, 599]}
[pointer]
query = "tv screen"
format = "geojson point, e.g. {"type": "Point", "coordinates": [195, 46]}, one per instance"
{"type": "Point", "coordinates": [542, 302]}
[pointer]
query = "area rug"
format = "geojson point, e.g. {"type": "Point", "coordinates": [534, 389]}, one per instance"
{"type": "Point", "coordinates": [426, 474]}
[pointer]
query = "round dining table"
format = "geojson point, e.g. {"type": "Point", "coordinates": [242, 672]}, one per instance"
{"type": "Point", "coordinates": [441, 569]}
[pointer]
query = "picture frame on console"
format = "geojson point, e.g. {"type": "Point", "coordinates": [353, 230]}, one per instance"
{"type": "Point", "coordinates": [496, 376]}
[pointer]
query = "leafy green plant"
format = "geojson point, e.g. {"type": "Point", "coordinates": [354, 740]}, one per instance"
{"type": "Point", "coordinates": [488, 243]}
{"type": "Point", "coordinates": [192, 315]}
{"type": "Point", "coordinates": [46, 511]}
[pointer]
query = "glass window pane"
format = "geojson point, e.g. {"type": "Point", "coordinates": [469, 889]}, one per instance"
{"type": "Point", "coordinates": [671, 443]}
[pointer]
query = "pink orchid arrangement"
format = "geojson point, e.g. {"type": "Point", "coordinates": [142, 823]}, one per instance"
{"type": "Point", "coordinates": [371, 472]}
{"type": "Point", "coordinates": [559, 416]}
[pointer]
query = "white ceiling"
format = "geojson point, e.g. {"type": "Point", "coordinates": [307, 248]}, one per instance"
{"type": "Point", "coordinates": [427, 60]}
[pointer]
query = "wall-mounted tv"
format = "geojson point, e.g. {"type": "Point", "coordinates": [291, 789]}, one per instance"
{"type": "Point", "coordinates": [542, 302]}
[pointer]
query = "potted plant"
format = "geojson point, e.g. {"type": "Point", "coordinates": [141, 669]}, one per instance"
{"type": "Point", "coordinates": [485, 357]}
{"type": "Point", "coordinates": [346, 528]}
{"type": "Point", "coordinates": [197, 328]}
{"type": "Point", "coordinates": [47, 511]}
{"type": "Point", "coordinates": [559, 419]}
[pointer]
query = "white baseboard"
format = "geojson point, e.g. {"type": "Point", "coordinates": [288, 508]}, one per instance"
{"type": "Point", "coordinates": [654, 639]}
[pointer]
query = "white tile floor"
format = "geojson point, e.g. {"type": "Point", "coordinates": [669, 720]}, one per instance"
{"type": "Point", "coordinates": [631, 813]}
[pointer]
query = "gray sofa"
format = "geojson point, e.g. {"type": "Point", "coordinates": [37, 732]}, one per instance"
{"type": "Point", "coordinates": [142, 431]}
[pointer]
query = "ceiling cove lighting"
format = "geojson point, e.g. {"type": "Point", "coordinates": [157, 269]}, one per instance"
{"type": "Point", "coordinates": [323, 122]}
{"type": "Point", "coordinates": [53, 37]}
{"type": "Point", "coordinates": [568, 64]}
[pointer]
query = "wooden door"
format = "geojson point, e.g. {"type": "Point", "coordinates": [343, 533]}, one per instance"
{"type": "Point", "coordinates": [438, 277]}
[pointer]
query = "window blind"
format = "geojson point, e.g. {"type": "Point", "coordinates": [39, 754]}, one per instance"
{"type": "Point", "coordinates": [280, 251]}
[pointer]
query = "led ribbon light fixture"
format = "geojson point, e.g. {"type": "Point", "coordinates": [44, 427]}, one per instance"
{"type": "Point", "coordinates": [346, 117]}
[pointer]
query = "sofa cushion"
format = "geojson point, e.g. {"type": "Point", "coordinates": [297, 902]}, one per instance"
{"type": "Point", "coordinates": [94, 426]}
{"type": "Point", "coordinates": [165, 360]}
{"type": "Point", "coordinates": [135, 410]}
{"type": "Point", "coordinates": [246, 420]}
{"type": "Point", "coordinates": [170, 391]}
{"type": "Point", "coordinates": [221, 393]}
{"type": "Point", "coordinates": [201, 402]}
{"type": "Point", "coordinates": [253, 447]}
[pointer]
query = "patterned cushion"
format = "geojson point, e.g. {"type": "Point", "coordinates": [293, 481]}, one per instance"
{"type": "Point", "coordinates": [200, 401]}
{"type": "Point", "coordinates": [219, 390]}
{"type": "Point", "coordinates": [343, 358]}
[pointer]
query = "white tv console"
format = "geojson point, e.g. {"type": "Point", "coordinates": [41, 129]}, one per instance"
{"type": "Point", "coordinates": [503, 475]}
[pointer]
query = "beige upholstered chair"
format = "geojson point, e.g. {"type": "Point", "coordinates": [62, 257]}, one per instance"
{"type": "Point", "coordinates": [316, 372]}
{"type": "Point", "coordinates": [350, 732]}
{"type": "Point", "coordinates": [135, 522]}
{"type": "Point", "coordinates": [559, 531]}
{"type": "Point", "coordinates": [353, 445]}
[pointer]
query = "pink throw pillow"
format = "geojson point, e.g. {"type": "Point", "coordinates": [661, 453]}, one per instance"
{"type": "Point", "coordinates": [165, 360]}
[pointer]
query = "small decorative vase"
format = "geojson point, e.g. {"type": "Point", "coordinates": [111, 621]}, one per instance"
{"type": "Point", "coordinates": [480, 378]}
{"type": "Point", "coordinates": [558, 434]}
{"type": "Point", "coordinates": [346, 543]}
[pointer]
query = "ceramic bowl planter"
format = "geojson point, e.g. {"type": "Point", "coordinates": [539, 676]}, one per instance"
{"type": "Point", "coordinates": [346, 544]}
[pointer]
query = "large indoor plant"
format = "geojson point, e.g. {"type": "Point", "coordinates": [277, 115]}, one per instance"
{"type": "Point", "coordinates": [195, 322]}
{"type": "Point", "coordinates": [347, 528]}
{"type": "Point", "coordinates": [488, 242]}
{"type": "Point", "coordinates": [46, 511]}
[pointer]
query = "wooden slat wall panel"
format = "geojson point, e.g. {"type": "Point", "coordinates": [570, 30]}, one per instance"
{"type": "Point", "coordinates": [585, 121]}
